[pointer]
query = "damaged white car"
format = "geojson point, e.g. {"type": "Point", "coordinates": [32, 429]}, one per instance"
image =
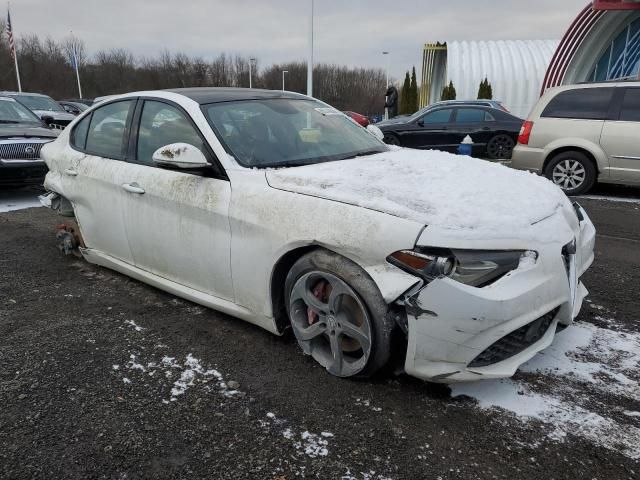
{"type": "Point", "coordinates": [277, 209]}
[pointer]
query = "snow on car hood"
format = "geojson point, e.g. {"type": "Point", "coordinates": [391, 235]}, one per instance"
{"type": "Point", "coordinates": [431, 187]}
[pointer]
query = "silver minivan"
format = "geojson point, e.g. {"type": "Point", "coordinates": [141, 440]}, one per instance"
{"type": "Point", "coordinates": [578, 135]}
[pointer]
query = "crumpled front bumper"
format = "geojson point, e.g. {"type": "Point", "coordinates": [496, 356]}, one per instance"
{"type": "Point", "coordinates": [450, 324]}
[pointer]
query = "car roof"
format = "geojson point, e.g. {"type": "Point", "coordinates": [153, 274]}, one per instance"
{"type": "Point", "coordinates": [204, 95]}
{"type": "Point", "coordinates": [27, 94]}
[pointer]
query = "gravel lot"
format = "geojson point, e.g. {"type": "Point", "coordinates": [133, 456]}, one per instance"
{"type": "Point", "coordinates": [104, 377]}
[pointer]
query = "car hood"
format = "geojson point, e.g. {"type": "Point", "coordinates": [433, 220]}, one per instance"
{"type": "Point", "coordinates": [474, 197]}
{"type": "Point", "coordinates": [20, 131]}
{"type": "Point", "coordinates": [394, 121]}
{"type": "Point", "coordinates": [55, 115]}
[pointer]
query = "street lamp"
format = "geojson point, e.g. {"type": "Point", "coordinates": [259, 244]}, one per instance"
{"type": "Point", "coordinates": [251, 60]}
{"type": "Point", "coordinates": [386, 110]}
{"type": "Point", "coordinates": [310, 59]}
{"type": "Point", "coordinates": [283, 72]}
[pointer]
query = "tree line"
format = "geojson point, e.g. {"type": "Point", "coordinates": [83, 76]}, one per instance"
{"type": "Point", "coordinates": [46, 67]}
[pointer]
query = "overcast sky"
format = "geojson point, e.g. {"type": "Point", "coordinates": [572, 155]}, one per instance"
{"type": "Point", "coordinates": [350, 32]}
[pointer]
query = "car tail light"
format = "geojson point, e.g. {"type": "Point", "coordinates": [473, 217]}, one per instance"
{"type": "Point", "coordinates": [525, 133]}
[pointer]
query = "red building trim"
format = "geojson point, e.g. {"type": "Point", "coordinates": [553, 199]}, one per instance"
{"type": "Point", "coordinates": [615, 5]}
{"type": "Point", "coordinates": [568, 46]}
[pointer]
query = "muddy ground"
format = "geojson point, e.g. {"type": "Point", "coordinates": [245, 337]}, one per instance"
{"type": "Point", "coordinates": [104, 377]}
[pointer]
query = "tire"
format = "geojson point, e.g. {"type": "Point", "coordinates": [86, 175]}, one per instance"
{"type": "Point", "coordinates": [500, 147]}
{"type": "Point", "coordinates": [572, 171]}
{"type": "Point", "coordinates": [322, 334]}
{"type": "Point", "coordinates": [391, 139]}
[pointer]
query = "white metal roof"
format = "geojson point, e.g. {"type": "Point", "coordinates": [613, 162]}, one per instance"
{"type": "Point", "coordinates": [515, 69]}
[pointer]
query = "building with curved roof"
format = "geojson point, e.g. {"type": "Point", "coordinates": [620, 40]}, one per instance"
{"type": "Point", "coordinates": [515, 69]}
{"type": "Point", "coordinates": [602, 43]}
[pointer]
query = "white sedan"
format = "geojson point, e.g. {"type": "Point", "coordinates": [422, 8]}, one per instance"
{"type": "Point", "coordinates": [277, 209]}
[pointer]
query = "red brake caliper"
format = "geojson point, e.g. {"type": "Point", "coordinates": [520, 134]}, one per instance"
{"type": "Point", "coordinates": [320, 292]}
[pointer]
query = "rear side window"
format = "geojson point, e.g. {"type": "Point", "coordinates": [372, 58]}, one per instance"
{"type": "Point", "coordinates": [581, 103]}
{"type": "Point", "coordinates": [106, 136]}
{"type": "Point", "coordinates": [630, 110]}
{"type": "Point", "coordinates": [79, 136]}
{"type": "Point", "coordinates": [473, 115]}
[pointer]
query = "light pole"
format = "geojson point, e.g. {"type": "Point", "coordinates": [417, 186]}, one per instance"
{"type": "Point", "coordinates": [283, 72]}
{"type": "Point", "coordinates": [251, 60]}
{"type": "Point", "coordinates": [310, 59]}
{"type": "Point", "coordinates": [386, 110]}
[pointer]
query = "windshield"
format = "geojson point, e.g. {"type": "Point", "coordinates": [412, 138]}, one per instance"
{"type": "Point", "coordinates": [37, 102]}
{"type": "Point", "coordinates": [287, 132]}
{"type": "Point", "coordinates": [12, 112]}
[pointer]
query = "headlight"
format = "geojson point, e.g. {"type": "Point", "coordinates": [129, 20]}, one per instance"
{"type": "Point", "coordinates": [477, 268]}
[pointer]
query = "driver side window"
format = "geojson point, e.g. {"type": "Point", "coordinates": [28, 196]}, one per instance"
{"type": "Point", "coordinates": [439, 116]}
{"type": "Point", "coordinates": [162, 124]}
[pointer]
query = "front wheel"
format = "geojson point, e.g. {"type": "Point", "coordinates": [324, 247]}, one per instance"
{"type": "Point", "coordinates": [572, 171]}
{"type": "Point", "coordinates": [391, 139]}
{"type": "Point", "coordinates": [338, 315]}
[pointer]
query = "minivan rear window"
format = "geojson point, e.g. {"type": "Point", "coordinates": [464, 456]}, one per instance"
{"type": "Point", "coordinates": [580, 103]}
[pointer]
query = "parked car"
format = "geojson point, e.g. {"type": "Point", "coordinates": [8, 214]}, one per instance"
{"type": "Point", "coordinates": [85, 101]}
{"type": "Point", "coordinates": [494, 132]}
{"type": "Point", "coordinates": [22, 135]}
{"type": "Point", "coordinates": [50, 111]}
{"type": "Point", "coordinates": [74, 108]}
{"type": "Point", "coordinates": [360, 119]}
{"type": "Point", "coordinates": [275, 208]}
{"type": "Point", "coordinates": [447, 103]}
{"type": "Point", "coordinates": [579, 135]}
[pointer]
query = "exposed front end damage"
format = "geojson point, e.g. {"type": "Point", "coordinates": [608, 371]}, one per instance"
{"type": "Point", "coordinates": [457, 332]}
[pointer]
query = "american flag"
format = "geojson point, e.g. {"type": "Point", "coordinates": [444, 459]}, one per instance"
{"type": "Point", "coordinates": [12, 45]}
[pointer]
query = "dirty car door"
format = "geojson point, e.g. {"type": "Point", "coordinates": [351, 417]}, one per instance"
{"type": "Point", "coordinates": [91, 173]}
{"type": "Point", "coordinates": [176, 220]}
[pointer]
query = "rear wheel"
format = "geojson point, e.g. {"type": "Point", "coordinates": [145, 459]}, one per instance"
{"type": "Point", "coordinates": [500, 147]}
{"type": "Point", "coordinates": [338, 315]}
{"type": "Point", "coordinates": [572, 171]}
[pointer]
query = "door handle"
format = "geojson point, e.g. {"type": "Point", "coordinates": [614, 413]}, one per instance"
{"type": "Point", "coordinates": [133, 188]}
{"type": "Point", "coordinates": [71, 172]}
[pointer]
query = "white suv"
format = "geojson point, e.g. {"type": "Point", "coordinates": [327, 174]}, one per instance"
{"type": "Point", "coordinates": [578, 135]}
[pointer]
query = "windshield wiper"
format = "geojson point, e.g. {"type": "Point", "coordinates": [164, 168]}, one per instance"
{"type": "Point", "coordinates": [10, 121]}
{"type": "Point", "coordinates": [361, 154]}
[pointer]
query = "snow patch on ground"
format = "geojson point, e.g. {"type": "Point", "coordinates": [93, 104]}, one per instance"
{"type": "Point", "coordinates": [611, 199]}
{"type": "Point", "coordinates": [17, 200]}
{"type": "Point", "coordinates": [583, 354]}
{"type": "Point", "coordinates": [133, 324]}
{"type": "Point", "coordinates": [189, 373]}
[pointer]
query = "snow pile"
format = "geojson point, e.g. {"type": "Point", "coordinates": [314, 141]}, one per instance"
{"type": "Point", "coordinates": [432, 188]}
{"type": "Point", "coordinates": [584, 356]}
{"type": "Point", "coordinates": [135, 326]}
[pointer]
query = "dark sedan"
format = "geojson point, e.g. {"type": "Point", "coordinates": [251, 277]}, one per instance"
{"type": "Point", "coordinates": [22, 135]}
{"type": "Point", "coordinates": [494, 132]}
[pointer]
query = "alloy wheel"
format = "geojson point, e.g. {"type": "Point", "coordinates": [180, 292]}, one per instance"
{"type": "Point", "coordinates": [569, 174]}
{"type": "Point", "coordinates": [331, 323]}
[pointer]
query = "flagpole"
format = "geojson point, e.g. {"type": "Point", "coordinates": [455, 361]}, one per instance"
{"type": "Point", "coordinates": [15, 50]}
{"type": "Point", "coordinates": [78, 78]}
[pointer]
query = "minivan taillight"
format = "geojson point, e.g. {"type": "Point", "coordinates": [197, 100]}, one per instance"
{"type": "Point", "coordinates": [525, 133]}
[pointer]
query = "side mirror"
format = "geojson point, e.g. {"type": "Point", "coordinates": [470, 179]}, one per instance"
{"type": "Point", "coordinates": [48, 121]}
{"type": "Point", "coordinates": [180, 155]}
{"type": "Point", "coordinates": [420, 123]}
